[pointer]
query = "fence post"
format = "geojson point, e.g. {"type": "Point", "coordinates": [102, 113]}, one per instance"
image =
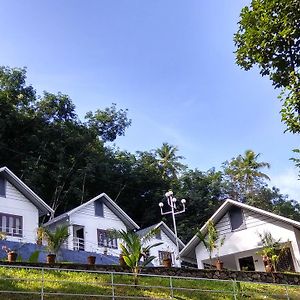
{"type": "Point", "coordinates": [234, 289]}
{"type": "Point", "coordinates": [42, 289]}
{"type": "Point", "coordinates": [171, 288]}
{"type": "Point", "coordinates": [112, 286]}
{"type": "Point", "coordinates": [287, 292]}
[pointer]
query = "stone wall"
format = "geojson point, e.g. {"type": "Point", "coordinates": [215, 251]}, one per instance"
{"type": "Point", "coordinates": [262, 277]}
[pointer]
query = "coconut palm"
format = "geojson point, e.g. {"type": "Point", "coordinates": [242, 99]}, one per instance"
{"type": "Point", "coordinates": [245, 173]}
{"type": "Point", "coordinates": [134, 248]}
{"type": "Point", "coordinates": [56, 238]}
{"type": "Point", "coordinates": [168, 161]}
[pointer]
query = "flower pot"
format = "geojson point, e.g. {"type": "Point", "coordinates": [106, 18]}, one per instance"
{"type": "Point", "coordinates": [219, 264]}
{"type": "Point", "coordinates": [12, 256]}
{"type": "Point", "coordinates": [167, 262]}
{"type": "Point", "coordinates": [91, 259]}
{"type": "Point", "coordinates": [269, 268]}
{"type": "Point", "coordinates": [51, 259]}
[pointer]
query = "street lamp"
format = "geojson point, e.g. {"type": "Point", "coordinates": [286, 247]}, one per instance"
{"type": "Point", "coordinates": [172, 203]}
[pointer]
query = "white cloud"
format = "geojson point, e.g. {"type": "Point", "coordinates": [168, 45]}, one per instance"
{"type": "Point", "coordinates": [288, 183]}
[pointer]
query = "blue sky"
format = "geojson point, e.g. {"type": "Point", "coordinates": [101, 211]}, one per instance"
{"type": "Point", "coordinates": [171, 63]}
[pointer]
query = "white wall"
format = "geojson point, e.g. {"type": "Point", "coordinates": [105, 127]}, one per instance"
{"type": "Point", "coordinates": [248, 239]}
{"type": "Point", "coordinates": [167, 245]}
{"type": "Point", "coordinates": [16, 204]}
{"type": "Point", "coordinates": [86, 217]}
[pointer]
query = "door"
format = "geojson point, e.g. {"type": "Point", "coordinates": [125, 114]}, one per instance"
{"type": "Point", "coordinates": [247, 263]}
{"type": "Point", "coordinates": [80, 239]}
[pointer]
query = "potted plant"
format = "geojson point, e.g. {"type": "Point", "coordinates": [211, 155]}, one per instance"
{"type": "Point", "coordinates": [55, 240]}
{"type": "Point", "coordinates": [134, 249]}
{"type": "Point", "coordinates": [167, 262]}
{"type": "Point", "coordinates": [211, 242]}
{"type": "Point", "coordinates": [219, 263]}
{"type": "Point", "coordinates": [11, 254]}
{"type": "Point", "coordinates": [272, 251]}
{"type": "Point", "coordinates": [91, 259]}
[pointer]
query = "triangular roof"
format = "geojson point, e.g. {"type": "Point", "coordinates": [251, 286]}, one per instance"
{"type": "Point", "coordinates": [42, 206]}
{"type": "Point", "coordinates": [189, 250]}
{"type": "Point", "coordinates": [165, 228]}
{"type": "Point", "coordinates": [108, 202]}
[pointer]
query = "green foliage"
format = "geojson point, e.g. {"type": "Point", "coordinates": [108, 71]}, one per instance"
{"type": "Point", "coordinates": [66, 161]}
{"type": "Point", "coordinates": [108, 123]}
{"type": "Point", "coordinates": [244, 177]}
{"type": "Point", "coordinates": [268, 37]}
{"type": "Point", "coordinates": [85, 283]}
{"type": "Point", "coordinates": [56, 238]}
{"type": "Point", "coordinates": [272, 249]}
{"type": "Point", "coordinates": [134, 248]}
{"type": "Point", "coordinates": [211, 239]}
{"type": "Point", "coordinates": [168, 161]}
{"type": "Point", "coordinates": [34, 257]}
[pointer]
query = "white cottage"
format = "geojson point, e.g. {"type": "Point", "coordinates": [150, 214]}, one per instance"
{"type": "Point", "coordinates": [168, 247]}
{"type": "Point", "coordinates": [90, 222]}
{"type": "Point", "coordinates": [240, 225]}
{"type": "Point", "coordinates": [20, 208]}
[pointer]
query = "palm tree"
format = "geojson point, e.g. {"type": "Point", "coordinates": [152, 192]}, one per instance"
{"type": "Point", "coordinates": [168, 161]}
{"type": "Point", "coordinates": [134, 248]}
{"type": "Point", "coordinates": [55, 239]}
{"type": "Point", "coordinates": [245, 173]}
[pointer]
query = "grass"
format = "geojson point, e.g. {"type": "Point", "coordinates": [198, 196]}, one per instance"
{"type": "Point", "coordinates": [27, 284]}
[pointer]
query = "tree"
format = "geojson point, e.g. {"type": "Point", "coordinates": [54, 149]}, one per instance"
{"type": "Point", "coordinates": [203, 192]}
{"type": "Point", "coordinates": [269, 37]}
{"type": "Point", "coordinates": [108, 123]}
{"type": "Point", "coordinates": [134, 248]}
{"type": "Point", "coordinates": [45, 143]}
{"type": "Point", "coordinates": [244, 175]}
{"type": "Point", "coordinates": [168, 161]}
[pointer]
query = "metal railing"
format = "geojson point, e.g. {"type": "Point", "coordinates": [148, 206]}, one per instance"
{"type": "Point", "coordinates": [78, 244]}
{"type": "Point", "coordinates": [62, 283]}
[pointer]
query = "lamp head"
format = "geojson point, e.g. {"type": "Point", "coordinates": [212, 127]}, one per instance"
{"type": "Point", "coordinates": [183, 201]}
{"type": "Point", "coordinates": [160, 204]}
{"type": "Point", "coordinates": [168, 194]}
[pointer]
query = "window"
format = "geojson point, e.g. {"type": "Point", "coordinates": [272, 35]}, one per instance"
{"type": "Point", "coordinates": [104, 240]}
{"type": "Point", "coordinates": [99, 208]}
{"type": "Point", "coordinates": [2, 187]}
{"type": "Point", "coordinates": [164, 255]}
{"type": "Point", "coordinates": [11, 225]}
{"type": "Point", "coordinates": [236, 218]}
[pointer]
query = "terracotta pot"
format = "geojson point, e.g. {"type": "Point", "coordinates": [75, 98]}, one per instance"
{"type": "Point", "coordinates": [51, 259]}
{"type": "Point", "coordinates": [269, 268]}
{"type": "Point", "coordinates": [12, 256]}
{"type": "Point", "coordinates": [219, 264]}
{"type": "Point", "coordinates": [91, 259]}
{"type": "Point", "coordinates": [167, 262]}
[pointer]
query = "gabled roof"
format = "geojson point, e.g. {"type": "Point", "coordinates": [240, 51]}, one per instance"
{"type": "Point", "coordinates": [108, 202]}
{"type": "Point", "coordinates": [188, 251]}
{"type": "Point", "coordinates": [42, 207]}
{"type": "Point", "coordinates": [165, 228]}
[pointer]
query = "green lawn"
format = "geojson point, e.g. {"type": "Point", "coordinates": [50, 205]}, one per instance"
{"type": "Point", "coordinates": [28, 281]}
